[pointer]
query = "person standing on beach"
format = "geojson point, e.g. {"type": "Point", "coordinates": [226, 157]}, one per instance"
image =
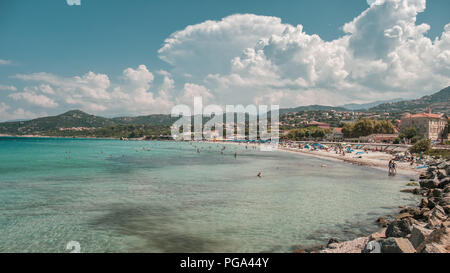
{"type": "Point", "coordinates": [392, 167]}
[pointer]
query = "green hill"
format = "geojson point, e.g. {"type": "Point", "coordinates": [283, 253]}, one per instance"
{"type": "Point", "coordinates": [438, 102]}
{"type": "Point", "coordinates": [163, 120]}
{"type": "Point", "coordinates": [312, 108]}
{"type": "Point", "coordinates": [69, 119]}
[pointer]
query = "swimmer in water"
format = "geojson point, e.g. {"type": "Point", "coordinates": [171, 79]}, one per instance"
{"type": "Point", "coordinates": [259, 175]}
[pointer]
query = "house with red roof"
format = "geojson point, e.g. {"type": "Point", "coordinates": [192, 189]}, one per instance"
{"type": "Point", "coordinates": [429, 125]}
{"type": "Point", "coordinates": [319, 124]}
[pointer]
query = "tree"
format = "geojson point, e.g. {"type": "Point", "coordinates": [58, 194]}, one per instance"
{"type": "Point", "coordinates": [347, 130]}
{"type": "Point", "coordinates": [384, 127]}
{"type": "Point", "coordinates": [421, 146]}
{"type": "Point", "coordinates": [363, 127]}
{"type": "Point", "coordinates": [409, 133]}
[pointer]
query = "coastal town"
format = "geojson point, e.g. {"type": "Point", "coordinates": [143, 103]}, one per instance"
{"type": "Point", "coordinates": [336, 126]}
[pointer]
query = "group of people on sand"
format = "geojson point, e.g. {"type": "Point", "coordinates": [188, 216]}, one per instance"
{"type": "Point", "coordinates": [392, 167]}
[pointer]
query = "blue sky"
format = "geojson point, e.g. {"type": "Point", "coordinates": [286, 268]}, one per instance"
{"type": "Point", "coordinates": [48, 48]}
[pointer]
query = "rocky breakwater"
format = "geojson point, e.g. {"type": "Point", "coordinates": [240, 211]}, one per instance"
{"type": "Point", "coordinates": [422, 229]}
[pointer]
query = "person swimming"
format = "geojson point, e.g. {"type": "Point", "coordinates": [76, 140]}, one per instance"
{"type": "Point", "coordinates": [259, 175]}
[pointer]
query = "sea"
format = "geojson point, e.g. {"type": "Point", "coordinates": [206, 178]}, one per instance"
{"type": "Point", "coordinates": [97, 195]}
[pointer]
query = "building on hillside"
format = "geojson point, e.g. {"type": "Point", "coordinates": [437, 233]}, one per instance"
{"type": "Point", "coordinates": [429, 125]}
{"type": "Point", "coordinates": [379, 138]}
{"type": "Point", "coordinates": [336, 135]}
{"type": "Point", "coordinates": [319, 124]}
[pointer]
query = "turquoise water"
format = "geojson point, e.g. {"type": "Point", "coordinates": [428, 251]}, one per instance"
{"type": "Point", "coordinates": [116, 196]}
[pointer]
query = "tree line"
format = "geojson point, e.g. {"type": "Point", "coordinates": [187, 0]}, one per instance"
{"type": "Point", "coordinates": [366, 126]}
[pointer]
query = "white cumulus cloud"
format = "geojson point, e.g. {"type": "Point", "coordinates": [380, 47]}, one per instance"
{"type": "Point", "coordinates": [73, 2]}
{"type": "Point", "coordinates": [4, 62]}
{"type": "Point", "coordinates": [7, 87]}
{"type": "Point", "coordinates": [247, 58]}
{"type": "Point", "coordinates": [383, 54]}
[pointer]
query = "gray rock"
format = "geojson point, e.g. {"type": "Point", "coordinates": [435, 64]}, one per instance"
{"type": "Point", "coordinates": [441, 174]}
{"type": "Point", "coordinates": [436, 217]}
{"type": "Point", "coordinates": [434, 248]}
{"type": "Point", "coordinates": [398, 228]}
{"type": "Point", "coordinates": [332, 241]}
{"type": "Point", "coordinates": [418, 235]}
{"type": "Point", "coordinates": [444, 182]}
{"type": "Point", "coordinates": [444, 201]}
{"type": "Point", "coordinates": [436, 193]}
{"type": "Point", "coordinates": [396, 245]}
{"type": "Point", "coordinates": [382, 222]}
{"type": "Point", "coordinates": [447, 188]}
{"type": "Point", "coordinates": [429, 184]}
{"type": "Point", "coordinates": [442, 165]}
{"type": "Point", "coordinates": [440, 236]}
{"type": "Point", "coordinates": [424, 203]}
{"type": "Point", "coordinates": [372, 247]}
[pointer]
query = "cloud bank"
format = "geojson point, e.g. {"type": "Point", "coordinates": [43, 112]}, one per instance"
{"type": "Point", "coordinates": [246, 58]}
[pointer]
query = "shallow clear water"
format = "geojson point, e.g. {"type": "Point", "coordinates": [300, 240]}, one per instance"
{"type": "Point", "coordinates": [116, 196]}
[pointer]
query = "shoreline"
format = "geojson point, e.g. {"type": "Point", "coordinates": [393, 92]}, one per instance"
{"type": "Point", "coordinates": [70, 137]}
{"type": "Point", "coordinates": [378, 160]}
{"type": "Point", "coordinates": [402, 169]}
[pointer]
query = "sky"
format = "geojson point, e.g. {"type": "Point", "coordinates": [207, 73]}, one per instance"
{"type": "Point", "coordinates": [118, 57]}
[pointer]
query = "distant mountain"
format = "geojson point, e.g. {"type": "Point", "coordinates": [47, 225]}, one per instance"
{"type": "Point", "coordinates": [438, 102]}
{"type": "Point", "coordinates": [158, 119]}
{"type": "Point", "coordinates": [16, 120]}
{"type": "Point", "coordinates": [69, 119]}
{"type": "Point", "coordinates": [366, 106]}
{"type": "Point", "coordinates": [312, 108]}
{"type": "Point", "coordinates": [77, 118]}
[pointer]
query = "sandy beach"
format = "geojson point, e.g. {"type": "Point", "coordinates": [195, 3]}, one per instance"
{"type": "Point", "coordinates": [377, 160]}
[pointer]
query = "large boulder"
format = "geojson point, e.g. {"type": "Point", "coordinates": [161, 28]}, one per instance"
{"type": "Point", "coordinates": [399, 228]}
{"type": "Point", "coordinates": [418, 235]}
{"type": "Point", "coordinates": [446, 189]}
{"type": "Point", "coordinates": [441, 174]}
{"type": "Point", "coordinates": [372, 246]}
{"type": "Point", "coordinates": [442, 165]}
{"type": "Point", "coordinates": [440, 236]}
{"type": "Point", "coordinates": [445, 201]}
{"type": "Point", "coordinates": [434, 248]}
{"type": "Point", "coordinates": [378, 235]}
{"type": "Point", "coordinates": [446, 208]}
{"type": "Point", "coordinates": [436, 192]}
{"type": "Point", "coordinates": [436, 217]}
{"type": "Point", "coordinates": [424, 203]}
{"type": "Point", "coordinates": [404, 215]}
{"type": "Point", "coordinates": [432, 202]}
{"type": "Point", "coordinates": [416, 213]}
{"type": "Point", "coordinates": [429, 184]}
{"type": "Point", "coordinates": [396, 245]}
{"type": "Point", "coordinates": [427, 175]}
{"type": "Point", "coordinates": [382, 222]}
{"type": "Point", "coordinates": [444, 183]}
{"type": "Point", "coordinates": [355, 246]}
